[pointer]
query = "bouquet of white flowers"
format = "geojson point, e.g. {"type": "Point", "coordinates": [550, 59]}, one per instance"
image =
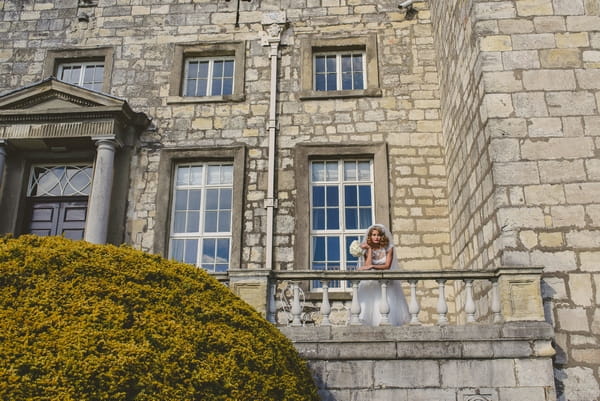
{"type": "Point", "coordinates": [356, 250]}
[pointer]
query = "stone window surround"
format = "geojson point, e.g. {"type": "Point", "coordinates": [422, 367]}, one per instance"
{"type": "Point", "coordinates": [183, 51]}
{"type": "Point", "coordinates": [304, 153]}
{"type": "Point", "coordinates": [169, 158]}
{"type": "Point", "coordinates": [59, 56]}
{"type": "Point", "coordinates": [311, 45]}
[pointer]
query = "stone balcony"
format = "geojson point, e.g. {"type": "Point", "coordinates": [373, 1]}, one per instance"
{"type": "Point", "coordinates": [473, 335]}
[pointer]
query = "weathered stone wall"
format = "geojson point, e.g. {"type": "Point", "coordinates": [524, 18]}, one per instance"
{"type": "Point", "coordinates": [483, 363]}
{"type": "Point", "coordinates": [143, 35]}
{"type": "Point", "coordinates": [520, 99]}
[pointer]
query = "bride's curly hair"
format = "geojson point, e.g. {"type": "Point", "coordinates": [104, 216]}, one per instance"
{"type": "Point", "coordinates": [383, 242]}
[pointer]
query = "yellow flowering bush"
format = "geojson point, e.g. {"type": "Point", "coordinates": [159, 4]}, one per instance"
{"type": "Point", "coordinates": [85, 322]}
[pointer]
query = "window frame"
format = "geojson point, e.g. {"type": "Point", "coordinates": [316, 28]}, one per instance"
{"type": "Point", "coordinates": [184, 52]}
{"type": "Point", "coordinates": [84, 65]}
{"type": "Point", "coordinates": [304, 155]}
{"type": "Point", "coordinates": [210, 77]}
{"type": "Point", "coordinates": [169, 159]}
{"type": "Point", "coordinates": [339, 68]}
{"type": "Point", "coordinates": [201, 233]}
{"type": "Point", "coordinates": [312, 46]}
{"type": "Point", "coordinates": [56, 58]}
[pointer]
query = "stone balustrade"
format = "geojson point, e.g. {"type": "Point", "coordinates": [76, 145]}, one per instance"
{"type": "Point", "coordinates": [513, 293]}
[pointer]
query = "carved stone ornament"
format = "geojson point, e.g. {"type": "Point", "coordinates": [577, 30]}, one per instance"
{"type": "Point", "coordinates": [477, 397]}
{"type": "Point", "coordinates": [271, 34]}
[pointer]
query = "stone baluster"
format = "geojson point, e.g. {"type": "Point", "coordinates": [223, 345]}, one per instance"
{"type": "Point", "coordinates": [496, 305]}
{"type": "Point", "coordinates": [325, 306]}
{"type": "Point", "coordinates": [469, 303]}
{"type": "Point", "coordinates": [272, 305]}
{"type": "Point", "coordinates": [355, 307]}
{"type": "Point", "coordinates": [384, 306]}
{"type": "Point", "coordinates": [413, 307]}
{"type": "Point", "coordinates": [296, 308]}
{"type": "Point", "coordinates": [442, 307]}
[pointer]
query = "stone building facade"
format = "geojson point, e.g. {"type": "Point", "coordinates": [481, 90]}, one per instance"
{"type": "Point", "coordinates": [472, 128]}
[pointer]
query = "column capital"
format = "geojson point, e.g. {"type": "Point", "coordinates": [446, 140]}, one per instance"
{"type": "Point", "coordinates": [112, 142]}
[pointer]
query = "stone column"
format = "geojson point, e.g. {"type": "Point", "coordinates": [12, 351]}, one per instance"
{"type": "Point", "coordinates": [96, 225]}
{"type": "Point", "coordinates": [2, 161]}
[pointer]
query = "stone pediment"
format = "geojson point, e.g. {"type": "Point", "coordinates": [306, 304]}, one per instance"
{"type": "Point", "coordinates": [52, 109]}
{"type": "Point", "coordinates": [51, 94]}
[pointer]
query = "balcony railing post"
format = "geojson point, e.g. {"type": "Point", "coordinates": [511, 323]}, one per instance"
{"type": "Point", "coordinates": [325, 306]}
{"type": "Point", "coordinates": [496, 304]}
{"type": "Point", "coordinates": [296, 308]}
{"type": "Point", "coordinates": [413, 307]}
{"type": "Point", "coordinates": [442, 307]}
{"type": "Point", "coordinates": [469, 303]}
{"type": "Point", "coordinates": [384, 306]}
{"type": "Point", "coordinates": [355, 307]}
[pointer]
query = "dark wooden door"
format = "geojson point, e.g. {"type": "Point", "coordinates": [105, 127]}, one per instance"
{"type": "Point", "coordinates": [52, 217]}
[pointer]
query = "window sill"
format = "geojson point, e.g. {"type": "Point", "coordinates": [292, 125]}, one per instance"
{"type": "Point", "coordinates": [205, 99]}
{"type": "Point", "coordinates": [312, 94]}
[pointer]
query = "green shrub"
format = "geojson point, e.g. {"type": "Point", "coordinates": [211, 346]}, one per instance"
{"type": "Point", "coordinates": [87, 322]}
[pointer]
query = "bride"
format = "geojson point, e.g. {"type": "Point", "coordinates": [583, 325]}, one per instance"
{"type": "Point", "coordinates": [380, 255]}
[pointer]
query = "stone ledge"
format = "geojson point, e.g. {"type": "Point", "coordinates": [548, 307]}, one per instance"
{"type": "Point", "coordinates": [508, 340]}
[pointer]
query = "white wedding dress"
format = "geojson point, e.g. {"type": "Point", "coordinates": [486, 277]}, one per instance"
{"type": "Point", "coordinates": [369, 293]}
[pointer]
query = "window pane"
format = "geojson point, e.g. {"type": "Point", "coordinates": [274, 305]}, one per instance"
{"type": "Point", "coordinates": [318, 196]}
{"type": "Point", "coordinates": [194, 199]}
{"type": "Point", "coordinates": [191, 251]}
{"type": "Point", "coordinates": [228, 71]}
{"type": "Point", "coordinates": [223, 250]}
{"type": "Point", "coordinates": [333, 249]}
{"type": "Point", "coordinates": [227, 86]}
{"type": "Point", "coordinates": [346, 63]}
{"type": "Point", "coordinates": [320, 64]}
{"type": "Point", "coordinates": [351, 218]}
{"type": "Point", "coordinates": [195, 175]}
{"type": "Point", "coordinates": [225, 198]}
{"type": "Point", "coordinates": [331, 63]}
{"type": "Point", "coordinates": [347, 81]}
{"type": "Point", "coordinates": [350, 195]}
{"type": "Point", "coordinates": [212, 199]}
{"type": "Point", "coordinates": [358, 81]}
{"type": "Point", "coordinates": [177, 249]}
{"type": "Point", "coordinates": [190, 88]}
{"type": "Point", "coordinates": [181, 200]}
{"type": "Point", "coordinates": [318, 249]}
{"type": "Point", "coordinates": [193, 222]}
{"type": "Point", "coordinates": [193, 69]}
{"type": "Point", "coordinates": [350, 171]}
{"type": "Point", "coordinates": [365, 218]}
{"type": "Point", "coordinates": [320, 84]}
{"type": "Point", "coordinates": [218, 69]}
{"type": "Point", "coordinates": [331, 82]}
{"type": "Point", "coordinates": [227, 174]}
{"type": "Point", "coordinates": [183, 175]}
{"type": "Point", "coordinates": [213, 175]}
{"type": "Point", "coordinates": [224, 221]}
{"type": "Point", "coordinates": [332, 196]}
{"type": "Point", "coordinates": [364, 171]}
{"type": "Point", "coordinates": [364, 195]}
{"type": "Point", "coordinates": [210, 222]}
{"type": "Point", "coordinates": [318, 171]}
{"type": "Point", "coordinates": [179, 222]}
{"type": "Point", "coordinates": [208, 253]}
{"type": "Point", "coordinates": [203, 69]}
{"type": "Point", "coordinates": [217, 87]}
{"type": "Point", "coordinates": [318, 219]}
{"type": "Point", "coordinates": [333, 219]}
{"type": "Point", "coordinates": [332, 171]}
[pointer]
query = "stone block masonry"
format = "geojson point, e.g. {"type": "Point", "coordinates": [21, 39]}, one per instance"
{"type": "Point", "coordinates": [532, 90]}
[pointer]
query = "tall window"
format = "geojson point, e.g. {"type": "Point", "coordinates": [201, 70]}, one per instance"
{"type": "Point", "coordinates": [89, 75]}
{"type": "Point", "coordinates": [339, 71]}
{"type": "Point", "coordinates": [208, 76]}
{"type": "Point", "coordinates": [341, 199]}
{"type": "Point", "coordinates": [201, 215]}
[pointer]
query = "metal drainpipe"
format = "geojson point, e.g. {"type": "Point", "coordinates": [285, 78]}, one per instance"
{"type": "Point", "coordinates": [272, 37]}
